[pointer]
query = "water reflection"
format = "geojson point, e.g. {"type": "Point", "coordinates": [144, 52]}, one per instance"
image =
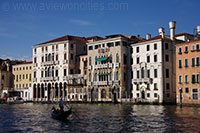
{"type": "Point", "coordinates": [101, 118]}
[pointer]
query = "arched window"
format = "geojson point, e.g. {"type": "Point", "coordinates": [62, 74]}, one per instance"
{"type": "Point", "coordinates": [117, 58]}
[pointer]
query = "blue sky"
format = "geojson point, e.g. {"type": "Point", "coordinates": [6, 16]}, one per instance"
{"type": "Point", "coordinates": [24, 23]}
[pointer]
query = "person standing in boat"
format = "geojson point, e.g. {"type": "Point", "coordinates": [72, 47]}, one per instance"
{"type": "Point", "coordinates": [61, 104]}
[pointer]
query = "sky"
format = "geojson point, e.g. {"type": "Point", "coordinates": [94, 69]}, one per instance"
{"type": "Point", "coordinates": [24, 23]}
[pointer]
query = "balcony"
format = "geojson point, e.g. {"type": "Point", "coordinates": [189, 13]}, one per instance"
{"type": "Point", "coordinates": [48, 63]}
{"type": "Point", "coordinates": [46, 78]}
{"type": "Point", "coordinates": [56, 62]}
{"type": "Point", "coordinates": [34, 79]}
{"type": "Point", "coordinates": [102, 66]}
{"type": "Point", "coordinates": [56, 78]}
{"type": "Point", "coordinates": [64, 61]}
{"type": "Point", "coordinates": [34, 64]}
{"type": "Point", "coordinates": [143, 80]}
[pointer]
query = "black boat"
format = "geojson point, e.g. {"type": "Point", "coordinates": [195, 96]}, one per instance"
{"type": "Point", "coordinates": [60, 115]}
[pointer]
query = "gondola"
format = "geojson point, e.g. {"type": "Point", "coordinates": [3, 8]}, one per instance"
{"type": "Point", "coordinates": [60, 115]}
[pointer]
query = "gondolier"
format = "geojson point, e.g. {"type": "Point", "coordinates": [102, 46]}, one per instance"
{"type": "Point", "coordinates": [61, 105]}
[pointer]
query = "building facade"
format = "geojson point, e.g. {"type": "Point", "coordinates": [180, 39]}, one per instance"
{"type": "Point", "coordinates": [6, 77]}
{"type": "Point", "coordinates": [56, 68]}
{"type": "Point", "coordinates": [23, 80]}
{"type": "Point", "coordinates": [108, 67]}
{"type": "Point", "coordinates": [153, 68]}
{"type": "Point", "coordinates": [188, 72]}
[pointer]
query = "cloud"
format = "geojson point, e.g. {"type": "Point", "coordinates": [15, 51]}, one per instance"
{"type": "Point", "coordinates": [81, 22]}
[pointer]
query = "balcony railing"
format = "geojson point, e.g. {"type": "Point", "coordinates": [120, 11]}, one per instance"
{"type": "Point", "coordinates": [117, 65]}
{"type": "Point", "coordinates": [143, 80]}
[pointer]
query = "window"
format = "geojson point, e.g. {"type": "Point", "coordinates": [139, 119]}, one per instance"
{"type": "Point", "coordinates": [41, 73]}
{"type": "Point", "coordinates": [197, 61]}
{"type": "Point", "coordinates": [117, 43]}
{"type": "Point", "coordinates": [42, 58]}
{"type": "Point", "coordinates": [186, 90]}
{"type": "Point", "coordinates": [142, 73]}
{"type": "Point", "coordinates": [2, 77]}
{"type": "Point", "coordinates": [138, 60]}
{"type": "Point", "coordinates": [193, 62]}
{"type": "Point", "coordinates": [71, 71]}
{"type": "Point", "coordinates": [124, 43]}
{"type": "Point", "coordinates": [65, 46]}
{"type": "Point", "coordinates": [180, 50]}
{"type": "Point", "coordinates": [125, 59]}
{"type": "Point", "coordinates": [137, 87]}
{"type": "Point", "coordinates": [195, 94]}
{"type": "Point", "coordinates": [96, 46]}
{"type": "Point", "coordinates": [186, 49]}
{"type": "Point", "coordinates": [148, 73]}
{"type": "Point", "coordinates": [148, 59]}
{"type": "Point", "coordinates": [52, 47]}
{"type": "Point", "coordinates": [34, 75]}
{"type": "Point", "coordinates": [56, 73]}
{"type": "Point", "coordinates": [137, 50]}
{"type": "Point", "coordinates": [193, 47]}
{"type": "Point", "coordinates": [57, 47]}
{"type": "Point", "coordinates": [110, 76]}
{"type": "Point", "coordinates": [117, 75]}
{"type": "Point", "coordinates": [166, 58]}
{"type": "Point", "coordinates": [65, 72]}
{"type": "Point", "coordinates": [90, 48]}
{"type": "Point", "coordinates": [155, 95]}
{"type": "Point", "coordinates": [197, 46]}
{"type": "Point", "coordinates": [72, 56]}
{"type": "Point", "coordinates": [148, 94]}
{"type": "Point", "coordinates": [186, 63]}
{"type": "Point", "coordinates": [65, 56]}
{"type": "Point", "coordinates": [166, 46]}
{"type": "Point", "coordinates": [155, 86]}
{"type": "Point", "coordinates": [167, 73]}
{"type": "Point", "coordinates": [155, 58]}
{"type": "Point", "coordinates": [138, 74]}
{"type": "Point", "coordinates": [72, 46]}
{"type": "Point", "coordinates": [117, 58]}
{"type": "Point", "coordinates": [90, 61]}
{"type": "Point", "coordinates": [180, 79]}
{"type": "Point", "coordinates": [42, 49]}
{"type": "Point", "coordinates": [148, 86]}
{"type": "Point", "coordinates": [198, 78]}
{"type": "Point", "coordinates": [155, 46]}
{"type": "Point", "coordinates": [95, 77]}
{"type": "Point", "coordinates": [90, 77]}
{"type": "Point", "coordinates": [155, 73]}
{"type": "Point", "coordinates": [148, 47]}
{"type": "Point", "coordinates": [180, 64]}
{"type": "Point", "coordinates": [167, 86]}
{"type": "Point", "coordinates": [186, 79]}
{"type": "Point", "coordinates": [35, 50]}
{"type": "Point", "coordinates": [35, 60]}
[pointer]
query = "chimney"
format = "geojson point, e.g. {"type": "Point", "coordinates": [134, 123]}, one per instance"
{"type": "Point", "coordinates": [162, 32]}
{"type": "Point", "coordinates": [172, 26]}
{"type": "Point", "coordinates": [148, 36]}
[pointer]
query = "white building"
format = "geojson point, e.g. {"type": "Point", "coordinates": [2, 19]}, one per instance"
{"type": "Point", "coordinates": [153, 68]}
{"type": "Point", "coordinates": [55, 65]}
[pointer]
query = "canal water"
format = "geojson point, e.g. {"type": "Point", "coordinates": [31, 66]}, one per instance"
{"type": "Point", "coordinates": [100, 118]}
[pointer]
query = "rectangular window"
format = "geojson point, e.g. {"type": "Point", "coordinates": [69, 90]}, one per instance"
{"type": "Point", "coordinates": [186, 90]}
{"type": "Point", "coordinates": [125, 59]}
{"type": "Point", "coordinates": [96, 46]}
{"type": "Point", "coordinates": [197, 60]}
{"type": "Point", "coordinates": [193, 79]}
{"type": "Point", "coordinates": [193, 62]}
{"type": "Point", "coordinates": [148, 59]}
{"type": "Point", "coordinates": [137, 87]}
{"type": "Point", "coordinates": [72, 46]}
{"type": "Point", "coordinates": [155, 46]}
{"type": "Point", "coordinates": [137, 49]}
{"type": "Point", "coordinates": [186, 79]}
{"type": "Point", "coordinates": [167, 86]}
{"type": "Point", "coordinates": [117, 43]}
{"type": "Point", "coordinates": [138, 74]}
{"type": "Point", "coordinates": [167, 73]}
{"type": "Point", "coordinates": [180, 79]}
{"type": "Point", "coordinates": [65, 72]}
{"type": "Point", "coordinates": [155, 73]}
{"type": "Point", "coordinates": [155, 86]}
{"type": "Point", "coordinates": [138, 60]}
{"type": "Point", "coordinates": [186, 49]}
{"type": "Point", "coordinates": [195, 94]}
{"type": "Point", "coordinates": [148, 73]}
{"type": "Point", "coordinates": [71, 71]}
{"type": "Point", "coordinates": [155, 95]}
{"type": "Point", "coordinates": [148, 47]}
{"type": "Point", "coordinates": [186, 63]}
{"type": "Point", "coordinates": [155, 58]}
{"type": "Point", "coordinates": [166, 46]}
{"type": "Point", "coordinates": [90, 48]}
{"type": "Point", "coordinates": [180, 64]}
{"type": "Point", "coordinates": [72, 56]}
{"type": "Point", "coordinates": [166, 58]}
{"type": "Point", "coordinates": [197, 46]}
{"type": "Point", "coordinates": [180, 50]}
{"type": "Point", "coordinates": [198, 78]}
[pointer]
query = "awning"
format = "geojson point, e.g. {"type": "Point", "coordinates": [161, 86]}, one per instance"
{"type": "Point", "coordinates": [102, 59]}
{"type": "Point", "coordinates": [103, 74]}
